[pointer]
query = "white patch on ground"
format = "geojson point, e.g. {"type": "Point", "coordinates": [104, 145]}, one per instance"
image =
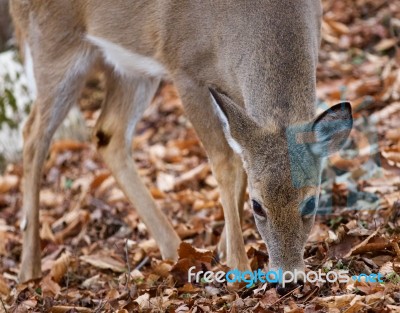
{"type": "Point", "coordinates": [23, 88]}
{"type": "Point", "coordinates": [13, 78]}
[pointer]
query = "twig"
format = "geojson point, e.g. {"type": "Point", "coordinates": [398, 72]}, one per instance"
{"type": "Point", "coordinates": [128, 281]}
{"type": "Point", "coordinates": [394, 212]}
{"type": "Point", "coordinates": [283, 297]}
{"type": "Point", "coordinates": [143, 263]}
{"type": "Point", "coordinates": [396, 248]}
{"type": "Point", "coordinates": [2, 304]}
{"type": "Point", "coordinates": [362, 244]}
{"type": "Point", "coordinates": [391, 28]}
{"type": "Point", "coordinates": [310, 294]}
{"type": "Point", "coordinates": [371, 247]}
{"type": "Point", "coordinates": [100, 306]}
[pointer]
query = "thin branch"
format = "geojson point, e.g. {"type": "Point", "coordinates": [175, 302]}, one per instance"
{"type": "Point", "coordinates": [2, 304]}
{"type": "Point", "coordinates": [128, 281]}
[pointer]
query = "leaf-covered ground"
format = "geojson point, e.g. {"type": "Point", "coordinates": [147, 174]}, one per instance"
{"type": "Point", "coordinates": [97, 255]}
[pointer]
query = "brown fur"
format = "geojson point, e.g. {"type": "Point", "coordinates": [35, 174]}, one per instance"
{"type": "Point", "coordinates": [262, 54]}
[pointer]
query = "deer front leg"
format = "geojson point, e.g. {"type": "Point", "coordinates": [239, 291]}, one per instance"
{"type": "Point", "coordinates": [239, 193]}
{"type": "Point", "coordinates": [231, 178]}
{"type": "Point", "coordinates": [127, 98]}
{"type": "Point", "coordinates": [33, 160]}
{"type": "Point", "coordinates": [59, 85]}
{"type": "Point", "coordinates": [227, 169]}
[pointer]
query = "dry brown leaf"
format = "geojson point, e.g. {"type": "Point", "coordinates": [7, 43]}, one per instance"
{"type": "Point", "coordinates": [162, 268]}
{"type": "Point", "coordinates": [116, 195]}
{"type": "Point", "coordinates": [375, 297]}
{"type": "Point", "coordinates": [337, 27]}
{"type": "Point", "coordinates": [356, 304]}
{"type": "Point", "coordinates": [60, 267]}
{"type": "Point", "coordinates": [65, 309]}
{"type": "Point", "coordinates": [50, 199]}
{"type": "Point", "coordinates": [385, 113]}
{"type": "Point", "coordinates": [143, 301]}
{"type": "Point", "coordinates": [380, 189]}
{"type": "Point", "coordinates": [165, 182]}
{"type": "Point", "coordinates": [106, 185]}
{"type": "Point", "coordinates": [183, 308]}
{"type": "Point", "coordinates": [189, 288]}
{"type": "Point", "coordinates": [149, 245]}
{"type": "Point", "coordinates": [386, 268]}
{"type": "Point", "coordinates": [344, 247]}
{"type": "Point", "coordinates": [180, 270]}
{"type": "Point", "coordinates": [328, 34]}
{"type": "Point", "coordinates": [185, 232]}
{"type": "Point", "coordinates": [99, 179]}
{"type": "Point", "coordinates": [67, 145]}
{"type": "Point", "coordinates": [270, 297]}
{"type": "Point", "coordinates": [361, 244]}
{"type": "Point", "coordinates": [344, 164]}
{"type": "Point", "coordinates": [92, 281]}
{"type": "Point", "coordinates": [385, 44]}
{"type": "Point", "coordinates": [46, 232]}
{"type": "Point", "coordinates": [187, 251]}
{"type": "Point", "coordinates": [392, 198]}
{"type": "Point", "coordinates": [201, 204]}
{"type": "Point", "coordinates": [61, 146]}
{"type": "Point", "coordinates": [368, 288]}
{"type": "Point", "coordinates": [393, 157]}
{"type": "Point", "coordinates": [8, 182]}
{"type": "Point", "coordinates": [112, 294]}
{"type": "Point", "coordinates": [394, 308]}
{"type": "Point", "coordinates": [335, 301]}
{"type": "Point", "coordinates": [4, 289]}
{"type": "Point", "coordinates": [157, 193]}
{"type": "Point", "coordinates": [393, 134]}
{"type": "Point", "coordinates": [198, 173]}
{"type": "Point", "coordinates": [189, 257]}
{"type": "Point", "coordinates": [104, 262]}
{"type": "Point", "coordinates": [74, 227]}
{"type": "Point", "coordinates": [28, 304]}
{"type": "Point", "coordinates": [49, 287]}
{"type": "Point", "coordinates": [371, 247]}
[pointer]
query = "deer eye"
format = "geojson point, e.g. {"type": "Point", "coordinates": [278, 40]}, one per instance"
{"type": "Point", "coordinates": [257, 208]}
{"type": "Point", "coordinates": [308, 207]}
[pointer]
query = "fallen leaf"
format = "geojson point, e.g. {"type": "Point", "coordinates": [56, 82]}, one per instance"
{"type": "Point", "coordinates": [104, 262]}
{"type": "Point", "coordinates": [143, 301]}
{"type": "Point", "coordinates": [65, 309]}
{"type": "Point", "coordinates": [4, 289]}
{"type": "Point", "coordinates": [8, 182]}
{"type": "Point", "coordinates": [49, 287]}
{"type": "Point", "coordinates": [385, 44]}
{"type": "Point", "coordinates": [334, 301]}
{"type": "Point", "coordinates": [60, 267]}
{"type": "Point", "coordinates": [187, 251]}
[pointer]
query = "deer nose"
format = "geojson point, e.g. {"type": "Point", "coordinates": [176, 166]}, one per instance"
{"type": "Point", "coordinates": [288, 287]}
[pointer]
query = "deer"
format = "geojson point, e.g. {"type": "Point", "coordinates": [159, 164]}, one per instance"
{"type": "Point", "coordinates": [246, 74]}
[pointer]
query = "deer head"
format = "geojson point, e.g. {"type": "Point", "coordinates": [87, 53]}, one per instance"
{"type": "Point", "coordinates": [283, 165]}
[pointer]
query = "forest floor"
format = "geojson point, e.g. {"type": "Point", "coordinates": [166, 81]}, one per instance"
{"type": "Point", "coordinates": [97, 256]}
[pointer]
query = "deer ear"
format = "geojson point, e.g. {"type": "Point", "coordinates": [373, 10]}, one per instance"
{"type": "Point", "coordinates": [235, 123]}
{"type": "Point", "coordinates": [331, 129]}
